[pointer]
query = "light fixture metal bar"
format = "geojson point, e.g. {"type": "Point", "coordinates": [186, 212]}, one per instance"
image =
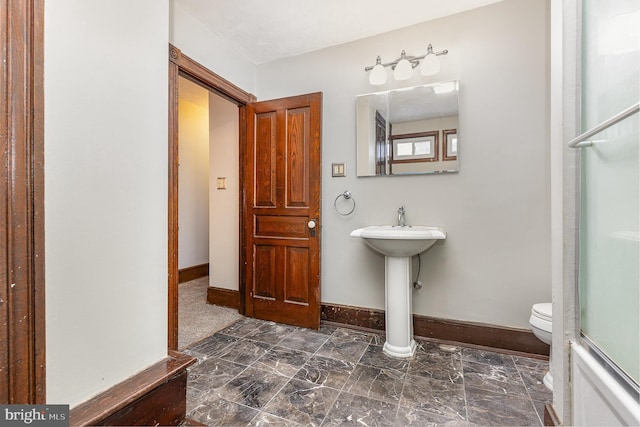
{"type": "Point", "coordinates": [414, 60]}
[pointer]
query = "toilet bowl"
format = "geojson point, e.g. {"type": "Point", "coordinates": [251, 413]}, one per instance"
{"type": "Point", "coordinates": [541, 321]}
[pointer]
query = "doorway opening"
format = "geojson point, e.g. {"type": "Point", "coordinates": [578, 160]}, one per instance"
{"type": "Point", "coordinates": [208, 209]}
{"type": "Point", "coordinates": [228, 103]}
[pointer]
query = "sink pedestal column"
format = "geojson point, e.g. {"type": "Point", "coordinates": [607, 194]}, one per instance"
{"type": "Point", "coordinates": [398, 307]}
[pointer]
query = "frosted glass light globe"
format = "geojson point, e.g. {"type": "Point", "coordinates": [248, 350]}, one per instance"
{"type": "Point", "coordinates": [378, 75]}
{"type": "Point", "coordinates": [403, 70]}
{"type": "Point", "coordinates": [430, 65]}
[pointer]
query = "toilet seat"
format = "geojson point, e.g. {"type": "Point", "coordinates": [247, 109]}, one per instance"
{"type": "Point", "coordinates": [541, 319]}
{"type": "Point", "coordinates": [541, 325]}
{"type": "Point", "coordinates": [542, 310]}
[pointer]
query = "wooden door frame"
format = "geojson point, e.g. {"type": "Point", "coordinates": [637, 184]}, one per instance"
{"type": "Point", "coordinates": [181, 65]}
{"type": "Point", "coordinates": [22, 301]}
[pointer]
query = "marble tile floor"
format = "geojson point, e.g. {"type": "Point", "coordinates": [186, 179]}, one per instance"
{"type": "Point", "coordinates": [258, 373]}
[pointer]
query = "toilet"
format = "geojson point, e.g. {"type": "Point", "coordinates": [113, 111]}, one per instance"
{"type": "Point", "coordinates": [540, 322]}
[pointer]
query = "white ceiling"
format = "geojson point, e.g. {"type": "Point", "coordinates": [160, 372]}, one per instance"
{"type": "Point", "coordinates": [266, 30]}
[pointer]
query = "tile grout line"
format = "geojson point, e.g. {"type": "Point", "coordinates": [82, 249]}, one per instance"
{"type": "Point", "coordinates": [341, 391]}
{"type": "Point", "coordinates": [241, 338]}
{"type": "Point", "coordinates": [355, 364]}
{"type": "Point", "coordinates": [262, 409]}
{"type": "Point", "coordinates": [381, 369]}
{"type": "Point", "coordinates": [404, 383]}
{"type": "Point", "coordinates": [535, 410]}
{"type": "Point", "coordinates": [228, 361]}
{"type": "Point", "coordinates": [343, 385]}
{"type": "Point", "coordinates": [290, 378]}
{"type": "Point", "coordinates": [464, 387]}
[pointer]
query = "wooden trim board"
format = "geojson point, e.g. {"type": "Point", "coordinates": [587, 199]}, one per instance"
{"type": "Point", "coordinates": [191, 273]}
{"type": "Point", "coordinates": [172, 202]}
{"type": "Point", "coordinates": [504, 338]}
{"type": "Point", "coordinates": [155, 396]}
{"type": "Point", "coordinates": [550, 416]}
{"type": "Point", "coordinates": [475, 334]}
{"type": "Point", "coordinates": [224, 297]}
{"type": "Point", "coordinates": [479, 334]}
{"type": "Point", "coordinates": [22, 281]}
{"type": "Point", "coordinates": [355, 316]}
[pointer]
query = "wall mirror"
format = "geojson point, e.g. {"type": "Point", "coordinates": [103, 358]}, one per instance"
{"type": "Point", "coordinates": [407, 131]}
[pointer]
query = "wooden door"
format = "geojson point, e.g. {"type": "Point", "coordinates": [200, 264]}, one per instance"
{"type": "Point", "coordinates": [281, 222]}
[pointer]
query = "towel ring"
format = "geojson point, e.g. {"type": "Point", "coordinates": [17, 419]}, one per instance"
{"type": "Point", "coordinates": [347, 196]}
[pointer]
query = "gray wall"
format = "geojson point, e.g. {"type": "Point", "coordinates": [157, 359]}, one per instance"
{"type": "Point", "coordinates": [495, 262]}
{"type": "Point", "coordinates": [196, 41]}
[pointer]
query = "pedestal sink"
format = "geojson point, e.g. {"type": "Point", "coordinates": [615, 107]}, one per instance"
{"type": "Point", "coordinates": [398, 244]}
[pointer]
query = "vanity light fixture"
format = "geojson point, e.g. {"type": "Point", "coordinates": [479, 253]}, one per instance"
{"type": "Point", "coordinates": [403, 66]}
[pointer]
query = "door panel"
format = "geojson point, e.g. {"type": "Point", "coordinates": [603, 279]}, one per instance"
{"type": "Point", "coordinates": [297, 172]}
{"type": "Point", "coordinates": [265, 166]}
{"type": "Point", "coordinates": [296, 276]}
{"type": "Point", "coordinates": [265, 271]}
{"type": "Point", "coordinates": [282, 194]}
{"type": "Point", "coordinates": [274, 226]}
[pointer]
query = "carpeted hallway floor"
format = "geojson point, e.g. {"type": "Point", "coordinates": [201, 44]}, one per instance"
{"type": "Point", "coordinates": [196, 318]}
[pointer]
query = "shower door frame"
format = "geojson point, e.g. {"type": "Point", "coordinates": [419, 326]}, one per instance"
{"type": "Point", "coordinates": [564, 103]}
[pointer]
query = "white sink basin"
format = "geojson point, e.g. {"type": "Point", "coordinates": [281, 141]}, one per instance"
{"type": "Point", "coordinates": [396, 241]}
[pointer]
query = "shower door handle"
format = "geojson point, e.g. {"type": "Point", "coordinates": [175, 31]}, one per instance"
{"type": "Point", "coordinates": [581, 140]}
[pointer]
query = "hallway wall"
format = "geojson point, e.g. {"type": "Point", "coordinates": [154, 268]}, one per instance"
{"type": "Point", "coordinates": [224, 205]}
{"type": "Point", "coordinates": [193, 177]}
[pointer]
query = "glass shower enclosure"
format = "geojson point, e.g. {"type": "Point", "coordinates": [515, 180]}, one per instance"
{"type": "Point", "coordinates": [609, 236]}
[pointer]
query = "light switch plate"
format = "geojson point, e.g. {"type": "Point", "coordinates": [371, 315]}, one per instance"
{"type": "Point", "coordinates": [222, 183]}
{"type": "Point", "coordinates": [338, 169]}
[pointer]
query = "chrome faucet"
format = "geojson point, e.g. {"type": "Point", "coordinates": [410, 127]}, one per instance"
{"type": "Point", "coordinates": [401, 216]}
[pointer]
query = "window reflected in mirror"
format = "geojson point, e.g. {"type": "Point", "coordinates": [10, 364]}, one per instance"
{"type": "Point", "coordinates": [450, 144]}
